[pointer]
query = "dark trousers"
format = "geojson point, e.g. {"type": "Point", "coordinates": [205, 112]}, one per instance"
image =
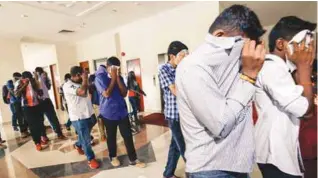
{"type": "Point", "coordinates": [125, 131]}
{"type": "Point", "coordinates": [83, 128]}
{"type": "Point", "coordinates": [20, 117]}
{"type": "Point", "coordinates": [35, 120]}
{"type": "Point", "coordinates": [133, 102]}
{"type": "Point", "coordinates": [271, 171]}
{"type": "Point", "coordinates": [48, 109]}
{"type": "Point", "coordinates": [68, 122]}
{"type": "Point", "coordinates": [177, 148]}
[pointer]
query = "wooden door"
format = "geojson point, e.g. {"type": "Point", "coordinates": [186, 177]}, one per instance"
{"type": "Point", "coordinates": [134, 65]}
{"type": "Point", "coordinates": [56, 83]}
{"type": "Point", "coordinates": [85, 65]}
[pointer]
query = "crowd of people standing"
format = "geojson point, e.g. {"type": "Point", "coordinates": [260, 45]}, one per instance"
{"type": "Point", "coordinates": [208, 96]}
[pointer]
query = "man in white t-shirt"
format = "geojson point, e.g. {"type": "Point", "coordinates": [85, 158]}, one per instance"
{"type": "Point", "coordinates": [81, 112]}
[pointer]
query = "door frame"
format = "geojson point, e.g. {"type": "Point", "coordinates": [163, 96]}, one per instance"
{"type": "Point", "coordinates": [142, 101]}
{"type": "Point", "coordinates": [57, 103]}
{"type": "Point", "coordinates": [99, 60]}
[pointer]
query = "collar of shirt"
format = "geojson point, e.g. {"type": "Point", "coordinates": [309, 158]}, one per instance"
{"type": "Point", "coordinates": [170, 66]}
{"type": "Point", "coordinates": [288, 64]}
{"type": "Point", "coordinates": [222, 42]}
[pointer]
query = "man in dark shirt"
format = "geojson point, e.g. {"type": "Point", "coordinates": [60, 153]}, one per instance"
{"type": "Point", "coordinates": [113, 109]}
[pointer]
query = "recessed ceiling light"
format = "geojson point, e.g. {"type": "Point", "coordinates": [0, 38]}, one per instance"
{"type": "Point", "coordinates": [24, 16]}
{"type": "Point", "coordinates": [114, 10]}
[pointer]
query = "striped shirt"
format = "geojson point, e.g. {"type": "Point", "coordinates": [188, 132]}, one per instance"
{"type": "Point", "coordinates": [167, 77]}
{"type": "Point", "coordinates": [215, 108]}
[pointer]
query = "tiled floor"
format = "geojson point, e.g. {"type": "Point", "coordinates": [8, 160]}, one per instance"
{"type": "Point", "coordinates": [21, 160]}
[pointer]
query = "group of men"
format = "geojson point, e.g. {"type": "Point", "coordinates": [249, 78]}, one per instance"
{"type": "Point", "coordinates": [111, 90]}
{"type": "Point", "coordinates": [208, 97]}
{"type": "Point", "coordinates": [208, 100]}
{"type": "Point", "coordinates": [29, 101]}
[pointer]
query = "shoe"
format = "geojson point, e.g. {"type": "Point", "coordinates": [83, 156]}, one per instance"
{"type": "Point", "coordinates": [115, 162]}
{"type": "Point", "coordinates": [2, 141]}
{"type": "Point", "coordinates": [45, 139]}
{"type": "Point", "coordinates": [15, 128]}
{"type": "Point", "coordinates": [93, 164]}
{"type": "Point", "coordinates": [44, 142]}
{"type": "Point", "coordinates": [38, 147]}
{"type": "Point", "coordinates": [44, 145]}
{"type": "Point", "coordinates": [61, 137]}
{"type": "Point", "coordinates": [138, 164]}
{"type": "Point", "coordinates": [79, 150]}
{"type": "Point", "coordinates": [24, 134]}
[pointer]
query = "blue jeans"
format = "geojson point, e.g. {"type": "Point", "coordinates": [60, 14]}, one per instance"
{"type": "Point", "coordinates": [83, 128]}
{"type": "Point", "coordinates": [14, 115]}
{"type": "Point", "coordinates": [217, 174]}
{"type": "Point", "coordinates": [177, 148]}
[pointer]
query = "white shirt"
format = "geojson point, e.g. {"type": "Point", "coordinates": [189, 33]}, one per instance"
{"type": "Point", "coordinates": [215, 108]}
{"type": "Point", "coordinates": [279, 103]}
{"type": "Point", "coordinates": [78, 107]}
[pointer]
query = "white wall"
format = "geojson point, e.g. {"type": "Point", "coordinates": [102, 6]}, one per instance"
{"type": "Point", "coordinates": [96, 47]}
{"type": "Point", "coordinates": [146, 38]}
{"type": "Point", "coordinates": [38, 55]}
{"type": "Point", "coordinates": [66, 57]}
{"type": "Point", "coordinates": [10, 62]}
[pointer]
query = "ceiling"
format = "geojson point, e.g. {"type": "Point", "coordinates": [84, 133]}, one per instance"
{"type": "Point", "coordinates": [42, 20]}
{"type": "Point", "coordinates": [269, 12]}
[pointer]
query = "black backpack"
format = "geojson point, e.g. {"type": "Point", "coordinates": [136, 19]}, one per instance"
{"type": "Point", "coordinates": [5, 93]}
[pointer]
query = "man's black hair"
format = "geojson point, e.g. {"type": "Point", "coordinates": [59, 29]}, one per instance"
{"type": "Point", "coordinates": [27, 75]}
{"type": "Point", "coordinates": [67, 76]}
{"type": "Point", "coordinates": [286, 28]}
{"type": "Point", "coordinates": [239, 18]}
{"type": "Point", "coordinates": [39, 70]}
{"type": "Point", "coordinates": [113, 61]}
{"type": "Point", "coordinates": [175, 47]}
{"type": "Point", "coordinates": [76, 70]}
{"type": "Point", "coordinates": [16, 75]}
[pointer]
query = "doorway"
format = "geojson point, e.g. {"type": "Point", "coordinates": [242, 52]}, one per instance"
{"type": "Point", "coordinates": [134, 65]}
{"type": "Point", "coordinates": [162, 59]}
{"type": "Point", "coordinates": [55, 78]}
{"type": "Point", "coordinates": [85, 66]}
{"type": "Point", "coordinates": [98, 62]}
